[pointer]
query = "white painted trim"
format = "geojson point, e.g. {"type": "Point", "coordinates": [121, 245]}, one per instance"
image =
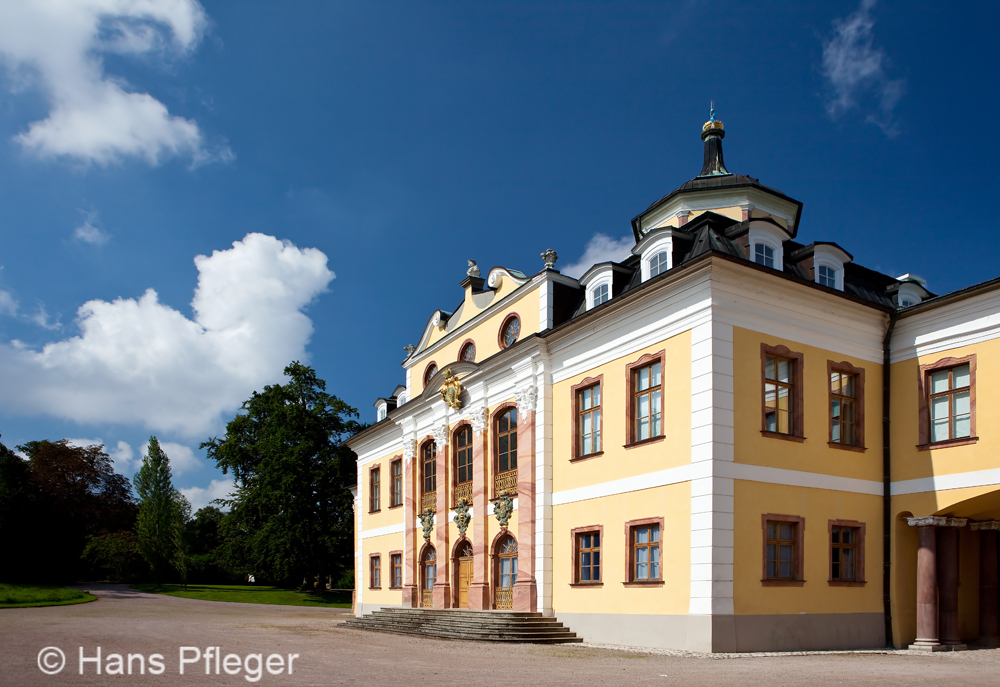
{"type": "Point", "coordinates": [960, 480]}
{"type": "Point", "coordinates": [382, 531]}
{"type": "Point", "coordinates": [964, 323]}
{"type": "Point", "coordinates": [797, 478]}
{"type": "Point", "coordinates": [699, 201]}
{"type": "Point", "coordinates": [651, 480]}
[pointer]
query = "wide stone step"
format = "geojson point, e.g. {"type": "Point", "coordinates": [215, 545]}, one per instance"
{"type": "Point", "coordinates": [493, 626]}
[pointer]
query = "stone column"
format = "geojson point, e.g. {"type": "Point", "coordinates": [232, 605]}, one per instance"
{"type": "Point", "coordinates": [410, 479]}
{"type": "Point", "coordinates": [479, 588]}
{"type": "Point", "coordinates": [989, 599]}
{"type": "Point", "coordinates": [525, 589]}
{"type": "Point", "coordinates": [947, 573]}
{"type": "Point", "coordinates": [927, 611]}
{"type": "Point", "coordinates": [442, 587]}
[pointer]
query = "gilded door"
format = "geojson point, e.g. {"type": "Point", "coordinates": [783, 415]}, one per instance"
{"type": "Point", "coordinates": [464, 576]}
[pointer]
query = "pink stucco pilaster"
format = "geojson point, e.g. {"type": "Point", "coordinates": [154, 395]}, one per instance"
{"type": "Point", "coordinates": [479, 589]}
{"type": "Point", "coordinates": [442, 588]}
{"type": "Point", "coordinates": [525, 589]}
{"type": "Point", "coordinates": [410, 596]}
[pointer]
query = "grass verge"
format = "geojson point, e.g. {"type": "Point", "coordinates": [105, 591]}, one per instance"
{"type": "Point", "coordinates": [27, 596]}
{"type": "Point", "coordinates": [251, 594]}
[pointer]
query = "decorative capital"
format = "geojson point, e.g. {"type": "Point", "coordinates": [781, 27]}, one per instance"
{"type": "Point", "coordinates": [988, 525]}
{"type": "Point", "coordinates": [936, 521]}
{"type": "Point", "coordinates": [409, 449]}
{"type": "Point", "coordinates": [526, 398]}
{"type": "Point", "coordinates": [550, 257]}
{"type": "Point", "coordinates": [477, 417]}
{"type": "Point", "coordinates": [440, 435]}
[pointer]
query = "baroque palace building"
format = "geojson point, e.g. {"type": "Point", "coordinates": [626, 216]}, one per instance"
{"type": "Point", "coordinates": [733, 440]}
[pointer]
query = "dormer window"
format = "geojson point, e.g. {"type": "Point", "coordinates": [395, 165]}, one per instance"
{"type": "Point", "coordinates": [601, 294]}
{"type": "Point", "coordinates": [381, 413]}
{"type": "Point", "coordinates": [403, 398]}
{"type": "Point", "coordinates": [826, 276]}
{"type": "Point", "coordinates": [658, 263]}
{"type": "Point", "coordinates": [763, 254]}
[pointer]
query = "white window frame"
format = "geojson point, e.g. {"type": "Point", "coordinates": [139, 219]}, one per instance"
{"type": "Point", "coordinates": [657, 241]}
{"type": "Point", "coordinates": [771, 236]}
{"type": "Point", "coordinates": [829, 256]}
{"type": "Point", "coordinates": [593, 293]}
{"type": "Point", "coordinates": [381, 410]}
{"type": "Point", "coordinates": [909, 292]}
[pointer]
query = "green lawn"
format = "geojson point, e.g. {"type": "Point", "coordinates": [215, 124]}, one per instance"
{"type": "Point", "coordinates": [25, 596]}
{"type": "Point", "coordinates": [252, 594]}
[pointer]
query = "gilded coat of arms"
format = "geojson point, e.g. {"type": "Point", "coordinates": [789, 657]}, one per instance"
{"type": "Point", "coordinates": [451, 389]}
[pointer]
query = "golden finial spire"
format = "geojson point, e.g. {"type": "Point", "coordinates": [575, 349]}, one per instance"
{"type": "Point", "coordinates": [712, 122]}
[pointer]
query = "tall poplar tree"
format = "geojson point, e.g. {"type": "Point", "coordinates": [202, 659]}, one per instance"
{"type": "Point", "coordinates": [161, 512]}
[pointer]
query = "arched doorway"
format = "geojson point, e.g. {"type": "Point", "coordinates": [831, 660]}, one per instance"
{"type": "Point", "coordinates": [428, 575]}
{"type": "Point", "coordinates": [463, 558]}
{"type": "Point", "coordinates": [505, 572]}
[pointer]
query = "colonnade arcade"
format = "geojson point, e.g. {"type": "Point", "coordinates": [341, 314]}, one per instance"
{"type": "Point", "coordinates": [486, 565]}
{"type": "Point", "coordinates": [938, 582]}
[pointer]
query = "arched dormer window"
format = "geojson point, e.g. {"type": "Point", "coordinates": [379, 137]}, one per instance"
{"type": "Point", "coordinates": [659, 263]}
{"type": "Point", "coordinates": [381, 413]}
{"type": "Point", "coordinates": [766, 243]}
{"type": "Point", "coordinates": [826, 276]}
{"type": "Point", "coordinates": [463, 463]}
{"type": "Point", "coordinates": [601, 294]}
{"type": "Point", "coordinates": [763, 254]}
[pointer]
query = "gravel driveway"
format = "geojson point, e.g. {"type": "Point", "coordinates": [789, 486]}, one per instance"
{"type": "Point", "coordinates": [124, 621]}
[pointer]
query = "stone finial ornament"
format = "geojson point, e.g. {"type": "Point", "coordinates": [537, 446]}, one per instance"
{"type": "Point", "coordinates": [503, 507]}
{"type": "Point", "coordinates": [473, 270]}
{"type": "Point", "coordinates": [462, 517]}
{"type": "Point", "coordinates": [550, 257]}
{"type": "Point", "coordinates": [427, 522]}
{"type": "Point", "coordinates": [410, 349]}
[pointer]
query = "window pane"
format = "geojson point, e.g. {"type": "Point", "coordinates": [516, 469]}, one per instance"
{"type": "Point", "coordinates": [770, 569]}
{"type": "Point", "coordinates": [784, 371]}
{"type": "Point", "coordinates": [939, 407]}
{"type": "Point", "coordinates": [961, 406]}
{"type": "Point", "coordinates": [585, 558]}
{"type": "Point", "coordinates": [772, 533]}
{"type": "Point", "coordinates": [939, 381]}
{"type": "Point", "coordinates": [641, 572]}
{"type": "Point", "coordinates": [847, 386]}
{"type": "Point", "coordinates": [836, 535]}
{"type": "Point", "coordinates": [597, 430]}
{"type": "Point", "coordinates": [939, 430]}
{"type": "Point", "coordinates": [504, 444]}
{"type": "Point", "coordinates": [596, 391]}
{"type": "Point", "coordinates": [785, 569]}
{"type": "Point", "coordinates": [770, 365]}
{"type": "Point", "coordinates": [835, 431]}
{"type": "Point", "coordinates": [656, 532]}
{"type": "Point", "coordinates": [588, 424]}
{"type": "Point", "coordinates": [642, 535]}
{"type": "Point", "coordinates": [786, 532]}
{"type": "Point", "coordinates": [961, 377]}
{"type": "Point", "coordinates": [597, 558]}
{"type": "Point", "coordinates": [848, 536]}
{"type": "Point", "coordinates": [962, 426]}
{"type": "Point", "coordinates": [643, 378]}
{"type": "Point", "coordinates": [642, 429]}
{"type": "Point", "coordinates": [585, 400]}
{"type": "Point", "coordinates": [642, 406]}
{"type": "Point", "coordinates": [656, 374]}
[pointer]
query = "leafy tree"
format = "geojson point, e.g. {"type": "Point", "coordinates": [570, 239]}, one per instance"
{"type": "Point", "coordinates": [161, 513]}
{"type": "Point", "coordinates": [291, 517]}
{"type": "Point", "coordinates": [115, 557]}
{"type": "Point", "coordinates": [53, 502]}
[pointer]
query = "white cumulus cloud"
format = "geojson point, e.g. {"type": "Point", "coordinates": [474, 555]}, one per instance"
{"type": "Point", "coordinates": [56, 47]}
{"type": "Point", "coordinates": [121, 455]}
{"type": "Point", "coordinates": [855, 70]}
{"type": "Point", "coordinates": [600, 248]}
{"type": "Point", "coordinates": [89, 232]}
{"type": "Point", "coordinates": [182, 458]}
{"type": "Point", "coordinates": [199, 497]}
{"type": "Point", "coordinates": [140, 362]}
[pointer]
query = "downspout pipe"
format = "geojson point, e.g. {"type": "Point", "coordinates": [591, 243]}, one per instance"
{"type": "Point", "coordinates": [887, 480]}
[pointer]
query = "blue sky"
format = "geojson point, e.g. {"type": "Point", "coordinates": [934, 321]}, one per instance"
{"type": "Point", "coordinates": [337, 163]}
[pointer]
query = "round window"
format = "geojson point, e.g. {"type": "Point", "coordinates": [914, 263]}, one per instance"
{"type": "Point", "coordinates": [510, 331]}
{"type": "Point", "coordinates": [468, 353]}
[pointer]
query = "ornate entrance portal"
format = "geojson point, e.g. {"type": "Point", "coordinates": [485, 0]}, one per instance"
{"type": "Point", "coordinates": [464, 575]}
{"type": "Point", "coordinates": [428, 575]}
{"type": "Point", "coordinates": [506, 572]}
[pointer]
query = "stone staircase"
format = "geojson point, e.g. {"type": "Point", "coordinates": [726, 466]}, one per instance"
{"type": "Point", "coordinates": [480, 626]}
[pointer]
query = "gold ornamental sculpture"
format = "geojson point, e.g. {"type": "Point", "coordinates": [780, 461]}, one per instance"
{"type": "Point", "coordinates": [451, 389]}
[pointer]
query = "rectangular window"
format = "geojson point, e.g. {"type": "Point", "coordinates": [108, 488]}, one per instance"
{"type": "Point", "coordinates": [396, 561]}
{"type": "Point", "coordinates": [948, 401]}
{"type": "Point", "coordinates": [507, 441]}
{"type": "Point", "coordinates": [847, 405]}
{"type": "Point", "coordinates": [588, 557]}
{"type": "Point", "coordinates": [763, 255]}
{"type": "Point", "coordinates": [781, 372]}
{"type": "Point", "coordinates": [397, 483]}
{"type": "Point", "coordinates": [643, 567]}
{"type": "Point", "coordinates": [376, 572]}
{"type": "Point", "coordinates": [647, 402]}
{"type": "Point", "coordinates": [847, 553]}
{"type": "Point", "coordinates": [589, 423]}
{"type": "Point", "coordinates": [783, 537]}
{"type": "Point", "coordinates": [827, 276]}
{"type": "Point", "coordinates": [429, 467]}
{"type": "Point", "coordinates": [375, 501]}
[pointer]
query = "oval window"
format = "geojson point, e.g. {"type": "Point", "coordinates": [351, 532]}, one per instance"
{"type": "Point", "coordinates": [468, 353]}
{"type": "Point", "coordinates": [430, 372]}
{"type": "Point", "coordinates": [510, 331]}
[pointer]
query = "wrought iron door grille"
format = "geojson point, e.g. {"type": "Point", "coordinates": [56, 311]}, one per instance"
{"type": "Point", "coordinates": [428, 599]}
{"type": "Point", "coordinates": [503, 597]}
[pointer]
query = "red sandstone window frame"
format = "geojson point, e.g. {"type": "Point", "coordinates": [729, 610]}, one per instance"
{"type": "Point", "coordinates": [375, 488]}
{"type": "Point", "coordinates": [575, 534]}
{"type": "Point", "coordinates": [575, 391]}
{"type": "Point", "coordinates": [798, 550]}
{"type": "Point", "coordinates": [797, 386]}
{"type": "Point", "coordinates": [499, 414]}
{"type": "Point", "coordinates": [630, 527]}
{"type": "Point", "coordinates": [858, 373]}
{"type": "Point", "coordinates": [859, 553]}
{"type": "Point", "coordinates": [644, 361]}
{"type": "Point", "coordinates": [396, 498]}
{"type": "Point", "coordinates": [924, 423]}
{"type": "Point", "coordinates": [375, 571]}
{"type": "Point", "coordinates": [503, 327]}
{"type": "Point", "coordinates": [463, 347]}
{"type": "Point", "coordinates": [463, 427]}
{"type": "Point", "coordinates": [395, 564]}
{"type": "Point", "coordinates": [423, 466]}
